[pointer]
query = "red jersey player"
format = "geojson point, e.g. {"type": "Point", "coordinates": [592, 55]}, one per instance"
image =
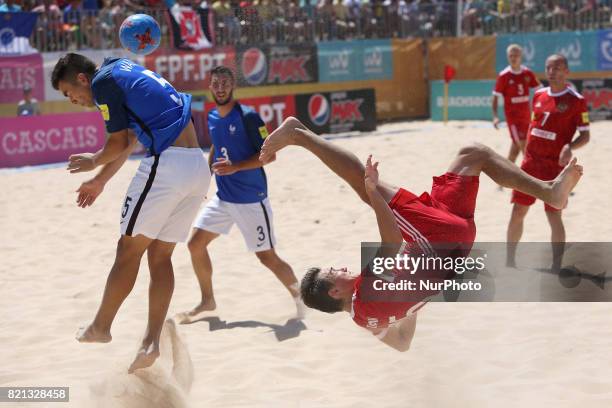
{"type": "Point", "coordinates": [446, 215]}
{"type": "Point", "coordinates": [513, 84]}
{"type": "Point", "coordinates": [558, 111]}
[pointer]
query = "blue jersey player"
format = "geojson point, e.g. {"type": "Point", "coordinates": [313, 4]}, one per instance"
{"type": "Point", "coordinates": [237, 134]}
{"type": "Point", "coordinates": [165, 193]}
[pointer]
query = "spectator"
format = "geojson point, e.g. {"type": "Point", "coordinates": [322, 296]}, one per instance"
{"type": "Point", "coordinates": [48, 25]}
{"type": "Point", "coordinates": [325, 20]}
{"type": "Point", "coordinates": [226, 22]}
{"type": "Point", "coordinates": [342, 23]}
{"type": "Point", "coordinates": [28, 106]}
{"type": "Point", "coordinates": [10, 7]}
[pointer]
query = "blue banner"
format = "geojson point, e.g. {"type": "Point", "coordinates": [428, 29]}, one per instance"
{"type": "Point", "coordinates": [467, 100]}
{"type": "Point", "coordinates": [355, 60]}
{"type": "Point", "coordinates": [580, 49]}
{"type": "Point", "coordinates": [15, 31]}
{"type": "Point", "coordinates": [604, 50]}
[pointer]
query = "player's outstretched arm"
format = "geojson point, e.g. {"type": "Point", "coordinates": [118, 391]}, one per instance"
{"type": "Point", "coordinates": [387, 225]}
{"type": "Point", "coordinates": [116, 145]}
{"type": "Point", "coordinates": [400, 336]}
{"type": "Point", "coordinates": [92, 188]}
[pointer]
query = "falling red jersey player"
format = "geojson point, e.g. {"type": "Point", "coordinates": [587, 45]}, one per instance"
{"type": "Point", "coordinates": [558, 111]}
{"type": "Point", "coordinates": [513, 84]}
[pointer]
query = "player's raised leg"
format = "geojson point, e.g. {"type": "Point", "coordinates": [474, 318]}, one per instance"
{"type": "Point", "coordinates": [342, 162]}
{"type": "Point", "coordinates": [159, 255]}
{"type": "Point", "coordinates": [478, 158]}
{"type": "Point", "coordinates": [119, 284]}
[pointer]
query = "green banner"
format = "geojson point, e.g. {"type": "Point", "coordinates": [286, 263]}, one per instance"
{"type": "Point", "coordinates": [467, 100]}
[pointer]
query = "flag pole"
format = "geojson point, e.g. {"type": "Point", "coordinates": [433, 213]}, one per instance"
{"type": "Point", "coordinates": [445, 114]}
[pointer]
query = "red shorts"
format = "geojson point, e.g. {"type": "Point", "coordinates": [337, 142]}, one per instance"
{"type": "Point", "coordinates": [518, 129]}
{"type": "Point", "coordinates": [542, 170]}
{"type": "Point", "coordinates": [444, 216]}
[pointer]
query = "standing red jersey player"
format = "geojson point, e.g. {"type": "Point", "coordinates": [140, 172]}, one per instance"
{"type": "Point", "coordinates": [558, 111]}
{"type": "Point", "coordinates": [513, 84]}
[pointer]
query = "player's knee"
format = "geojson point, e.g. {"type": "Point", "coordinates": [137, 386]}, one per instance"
{"type": "Point", "coordinates": [127, 247]}
{"type": "Point", "coordinates": [197, 243]}
{"type": "Point", "coordinates": [476, 152]}
{"type": "Point", "coordinates": [267, 258]}
{"type": "Point", "coordinates": [519, 212]}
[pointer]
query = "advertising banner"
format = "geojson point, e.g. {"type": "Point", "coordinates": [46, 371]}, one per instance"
{"type": "Point", "coordinates": [31, 140]}
{"type": "Point", "coordinates": [604, 50]}
{"type": "Point", "coordinates": [272, 109]}
{"type": "Point", "coordinates": [358, 60]}
{"type": "Point", "coordinates": [598, 94]}
{"type": "Point", "coordinates": [277, 65]}
{"type": "Point", "coordinates": [17, 72]}
{"type": "Point", "coordinates": [190, 70]}
{"type": "Point", "coordinates": [467, 100]}
{"type": "Point", "coordinates": [336, 112]}
{"type": "Point", "coordinates": [580, 48]}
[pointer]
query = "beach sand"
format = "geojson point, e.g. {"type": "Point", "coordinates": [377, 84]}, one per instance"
{"type": "Point", "coordinates": [249, 353]}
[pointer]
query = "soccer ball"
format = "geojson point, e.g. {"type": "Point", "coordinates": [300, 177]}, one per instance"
{"type": "Point", "coordinates": [140, 34]}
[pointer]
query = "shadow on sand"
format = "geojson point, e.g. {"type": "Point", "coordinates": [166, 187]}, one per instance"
{"type": "Point", "coordinates": [291, 329]}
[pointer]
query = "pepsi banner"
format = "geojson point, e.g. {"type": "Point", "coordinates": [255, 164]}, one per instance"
{"type": "Point", "coordinates": [355, 60]}
{"type": "Point", "coordinates": [277, 65]}
{"type": "Point", "coordinates": [336, 112]}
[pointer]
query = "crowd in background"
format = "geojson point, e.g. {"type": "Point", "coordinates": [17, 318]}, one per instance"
{"type": "Point", "coordinates": [73, 24]}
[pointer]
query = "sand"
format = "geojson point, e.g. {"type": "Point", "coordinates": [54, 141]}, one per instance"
{"type": "Point", "coordinates": [56, 256]}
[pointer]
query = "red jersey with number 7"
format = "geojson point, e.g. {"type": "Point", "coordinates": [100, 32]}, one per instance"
{"type": "Point", "coordinates": [554, 121]}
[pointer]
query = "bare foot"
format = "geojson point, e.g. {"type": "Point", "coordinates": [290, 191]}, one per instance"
{"type": "Point", "coordinates": [193, 314]}
{"type": "Point", "coordinates": [145, 358]}
{"type": "Point", "coordinates": [300, 308]}
{"type": "Point", "coordinates": [565, 182]}
{"type": "Point", "coordinates": [90, 334]}
{"type": "Point", "coordinates": [282, 137]}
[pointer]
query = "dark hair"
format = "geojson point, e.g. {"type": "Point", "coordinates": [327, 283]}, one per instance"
{"type": "Point", "coordinates": [69, 66]}
{"type": "Point", "coordinates": [222, 70]}
{"type": "Point", "coordinates": [561, 57]}
{"type": "Point", "coordinates": [315, 292]}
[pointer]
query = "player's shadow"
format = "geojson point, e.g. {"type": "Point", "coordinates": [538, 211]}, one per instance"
{"type": "Point", "coordinates": [291, 329]}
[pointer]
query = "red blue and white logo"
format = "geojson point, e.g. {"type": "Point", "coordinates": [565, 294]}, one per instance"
{"type": "Point", "coordinates": [254, 66]}
{"type": "Point", "coordinates": [318, 109]}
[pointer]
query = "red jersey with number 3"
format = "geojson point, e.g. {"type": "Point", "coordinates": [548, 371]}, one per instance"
{"type": "Point", "coordinates": [554, 121]}
{"type": "Point", "coordinates": [514, 87]}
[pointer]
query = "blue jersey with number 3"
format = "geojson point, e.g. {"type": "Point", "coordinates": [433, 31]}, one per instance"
{"type": "Point", "coordinates": [130, 96]}
{"type": "Point", "coordinates": [237, 137]}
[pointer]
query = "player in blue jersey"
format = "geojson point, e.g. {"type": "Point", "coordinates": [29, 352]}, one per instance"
{"type": "Point", "coordinates": [237, 134]}
{"type": "Point", "coordinates": [164, 195]}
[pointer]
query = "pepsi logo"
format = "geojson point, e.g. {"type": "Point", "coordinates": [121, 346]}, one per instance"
{"type": "Point", "coordinates": [254, 66]}
{"type": "Point", "coordinates": [318, 109]}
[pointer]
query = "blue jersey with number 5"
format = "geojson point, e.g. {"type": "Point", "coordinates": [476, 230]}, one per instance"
{"type": "Point", "coordinates": [130, 96]}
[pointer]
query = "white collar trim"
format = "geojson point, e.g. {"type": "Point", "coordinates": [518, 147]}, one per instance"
{"type": "Point", "coordinates": [563, 92]}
